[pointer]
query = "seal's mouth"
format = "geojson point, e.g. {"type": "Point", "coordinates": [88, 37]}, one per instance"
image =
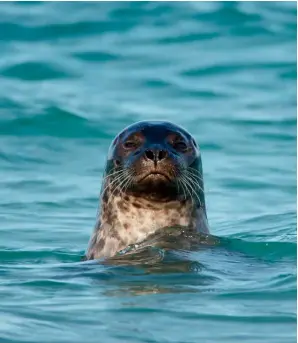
{"type": "Point", "coordinates": [155, 176]}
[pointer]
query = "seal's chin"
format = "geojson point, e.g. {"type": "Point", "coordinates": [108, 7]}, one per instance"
{"type": "Point", "coordinates": [154, 185]}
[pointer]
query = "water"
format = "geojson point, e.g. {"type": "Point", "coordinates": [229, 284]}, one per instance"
{"type": "Point", "coordinates": [72, 76]}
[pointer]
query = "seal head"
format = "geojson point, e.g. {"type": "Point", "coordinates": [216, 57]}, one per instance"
{"type": "Point", "coordinates": [153, 179]}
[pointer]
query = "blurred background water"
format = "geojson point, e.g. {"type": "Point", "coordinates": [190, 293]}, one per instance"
{"type": "Point", "coordinates": [72, 74]}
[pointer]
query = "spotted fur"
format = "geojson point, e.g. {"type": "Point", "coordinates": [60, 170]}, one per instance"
{"type": "Point", "coordinates": [129, 220]}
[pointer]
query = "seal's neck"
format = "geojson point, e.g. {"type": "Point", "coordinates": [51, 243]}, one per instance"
{"type": "Point", "coordinates": [125, 220]}
{"type": "Point", "coordinates": [133, 219]}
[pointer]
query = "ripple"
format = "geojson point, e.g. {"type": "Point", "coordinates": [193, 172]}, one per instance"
{"type": "Point", "coordinates": [54, 122]}
{"type": "Point", "coordinates": [189, 37]}
{"type": "Point", "coordinates": [96, 56]}
{"type": "Point", "coordinates": [265, 250]}
{"type": "Point", "coordinates": [37, 256]}
{"type": "Point", "coordinates": [54, 32]}
{"type": "Point", "coordinates": [227, 69]}
{"type": "Point", "coordinates": [35, 71]}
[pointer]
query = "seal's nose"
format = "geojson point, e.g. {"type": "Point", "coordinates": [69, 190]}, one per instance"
{"type": "Point", "coordinates": [156, 155]}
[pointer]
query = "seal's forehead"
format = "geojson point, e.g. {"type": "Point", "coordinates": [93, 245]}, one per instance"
{"type": "Point", "coordinates": [157, 128]}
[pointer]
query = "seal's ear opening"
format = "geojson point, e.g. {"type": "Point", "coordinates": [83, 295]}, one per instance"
{"type": "Point", "coordinates": [116, 163]}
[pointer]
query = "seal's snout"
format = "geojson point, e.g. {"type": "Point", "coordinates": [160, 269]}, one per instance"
{"type": "Point", "coordinates": [155, 164]}
{"type": "Point", "coordinates": [155, 155]}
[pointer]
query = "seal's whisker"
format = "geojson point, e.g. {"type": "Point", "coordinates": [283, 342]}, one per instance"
{"type": "Point", "coordinates": [178, 186]}
{"type": "Point", "coordinates": [125, 183]}
{"type": "Point", "coordinates": [128, 183]}
{"type": "Point", "coordinates": [187, 188]}
{"type": "Point", "coordinates": [120, 180]}
{"type": "Point", "coordinates": [195, 182]}
{"type": "Point", "coordinates": [194, 169]}
{"type": "Point", "coordinates": [104, 187]}
{"type": "Point", "coordinates": [198, 196]}
{"type": "Point", "coordinates": [192, 186]}
{"type": "Point", "coordinates": [113, 184]}
{"type": "Point", "coordinates": [183, 189]}
{"type": "Point", "coordinates": [111, 180]}
{"type": "Point", "coordinates": [116, 179]}
{"type": "Point", "coordinates": [118, 186]}
{"type": "Point", "coordinates": [195, 172]}
{"type": "Point", "coordinates": [114, 173]}
{"type": "Point", "coordinates": [191, 191]}
{"type": "Point", "coordinates": [194, 175]}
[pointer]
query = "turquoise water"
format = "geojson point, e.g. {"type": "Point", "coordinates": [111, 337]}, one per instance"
{"type": "Point", "coordinates": [73, 75]}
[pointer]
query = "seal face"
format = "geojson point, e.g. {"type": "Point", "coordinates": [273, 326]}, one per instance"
{"type": "Point", "coordinates": [153, 179]}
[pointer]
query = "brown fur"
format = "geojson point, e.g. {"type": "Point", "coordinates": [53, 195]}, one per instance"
{"type": "Point", "coordinates": [124, 223]}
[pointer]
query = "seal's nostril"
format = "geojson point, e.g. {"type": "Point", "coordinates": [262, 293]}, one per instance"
{"type": "Point", "coordinates": [155, 155]}
{"type": "Point", "coordinates": [162, 154]}
{"type": "Point", "coordinates": [150, 155]}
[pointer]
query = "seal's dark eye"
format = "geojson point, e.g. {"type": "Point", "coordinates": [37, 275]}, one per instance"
{"type": "Point", "coordinates": [130, 145]}
{"type": "Point", "coordinates": [180, 146]}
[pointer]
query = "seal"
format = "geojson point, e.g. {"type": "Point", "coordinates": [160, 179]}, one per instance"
{"type": "Point", "coordinates": [153, 179]}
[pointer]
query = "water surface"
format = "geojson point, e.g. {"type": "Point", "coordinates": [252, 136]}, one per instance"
{"type": "Point", "coordinates": [72, 75]}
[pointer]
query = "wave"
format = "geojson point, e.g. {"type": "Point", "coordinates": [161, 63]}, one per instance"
{"type": "Point", "coordinates": [54, 122]}
{"type": "Point", "coordinates": [35, 71]}
{"type": "Point", "coordinates": [265, 251]}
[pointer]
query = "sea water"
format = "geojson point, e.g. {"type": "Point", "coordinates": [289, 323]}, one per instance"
{"type": "Point", "coordinates": [72, 74]}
